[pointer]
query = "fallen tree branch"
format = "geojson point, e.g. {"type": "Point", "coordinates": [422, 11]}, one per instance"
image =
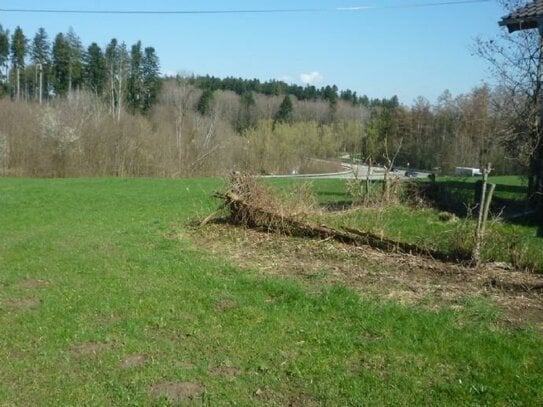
{"type": "Point", "coordinates": [245, 213]}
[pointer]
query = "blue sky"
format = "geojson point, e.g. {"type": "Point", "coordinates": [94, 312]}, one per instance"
{"type": "Point", "coordinates": [379, 52]}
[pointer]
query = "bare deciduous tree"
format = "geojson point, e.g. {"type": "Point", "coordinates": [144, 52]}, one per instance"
{"type": "Point", "coordinates": [516, 60]}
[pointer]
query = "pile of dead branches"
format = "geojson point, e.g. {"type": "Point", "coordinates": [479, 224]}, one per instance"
{"type": "Point", "coordinates": [249, 203]}
{"type": "Point", "coordinates": [252, 204]}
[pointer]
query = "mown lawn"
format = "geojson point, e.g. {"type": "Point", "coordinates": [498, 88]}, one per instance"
{"type": "Point", "coordinates": [105, 301]}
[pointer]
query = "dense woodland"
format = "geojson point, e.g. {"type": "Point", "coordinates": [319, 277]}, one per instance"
{"type": "Point", "coordinates": [71, 110]}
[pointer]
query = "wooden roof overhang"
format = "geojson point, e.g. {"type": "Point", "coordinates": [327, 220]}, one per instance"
{"type": "Point", "coordinates": [528, 17]}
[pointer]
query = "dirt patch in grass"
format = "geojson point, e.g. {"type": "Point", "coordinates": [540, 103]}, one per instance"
{"type": "Point", "coordinates": [22, 304]}
{"type": "Point", "coordinates": [32, 283]}
{"type": "Point", "coordinates": [105, 320]}
{"type": "Point", "coordinates": [133, 361]}
{"type": "Point", "coordinates": [224, 305]}
{"type": "Point", "coordinates": [288, 397]}
{"type": "Point", "coordinates": [225, 371]}
{"type": "Point", "coordinates": [91, 348]}
{"type": "Point", "coordinates": [408, 279]}
{"type": "Point", "coordinates": [176, 393]}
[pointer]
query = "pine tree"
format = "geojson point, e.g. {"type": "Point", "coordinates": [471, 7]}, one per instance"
{"type": "Point", "coordinates": [40, 55]}
{"type": "Point", "coordinates": [330, 94]}
{"type": "Point", "coordinates": [205, 104]}
{"type": "Point", "coordinates": [151, 78]}
{"type": "Point", "coordinates": [41, 49]}
{"type": "Point", "coordinates": [111, 60]}
{"type": "Point", "coordinates": [61, 65]}
{"type": "Point", "coordinates": [95, 69]}
{"type": "Point", "coordinates": [4, 58]}
{"type": "Point", "coordinates": [134, 96]}
{"type": "Point", "coordinates": [76, 52]}
{"type": "Point", "coordinates": [19, 49]}
{"type": "Point", "coordinates": [246, 114]}
{"type": "Point", "coordinates": [284, 114]}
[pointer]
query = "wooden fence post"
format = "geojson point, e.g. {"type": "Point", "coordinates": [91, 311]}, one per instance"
{"type": "Point", "coordinates": [484, 206]}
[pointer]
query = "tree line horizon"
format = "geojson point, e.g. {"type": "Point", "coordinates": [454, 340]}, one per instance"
{"type": "Point", "coordinates": [204, 125]}
{"type": "Point", "coordinates": [41, 69]}
{"type": "Point", "coordinates": [66, 65]}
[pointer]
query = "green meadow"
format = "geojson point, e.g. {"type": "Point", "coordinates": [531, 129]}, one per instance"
{"type": "Point", "coordinates": [106, 300]}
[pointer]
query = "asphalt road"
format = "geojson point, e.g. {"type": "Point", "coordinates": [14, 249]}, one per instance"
{"type": "Point", "coordinates": [354, 171]}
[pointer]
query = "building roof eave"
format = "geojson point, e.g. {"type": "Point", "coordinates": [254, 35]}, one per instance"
{"type": "Point", "coordinates": [517, 24]}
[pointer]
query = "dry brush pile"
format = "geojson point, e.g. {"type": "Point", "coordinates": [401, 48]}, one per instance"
{"type": "Point", "coordinates": [282, 236]}
{"type": "Point", "coordinates": [253, 205]}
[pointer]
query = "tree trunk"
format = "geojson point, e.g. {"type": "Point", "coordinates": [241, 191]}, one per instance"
{"type": "Point", "coordinates": [538, 188]}
{"type": "Point", "coordinates": [18, 72]}
{"type": "Point", "coordinates": [538, 155]}
{"type": "Point", "coordinates": [41, 85]}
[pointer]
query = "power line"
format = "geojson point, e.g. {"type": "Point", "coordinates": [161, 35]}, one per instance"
{"type": "Point", "coordinates": [242, 11]}
{"type": "Point", "coordinates": [74, 11]}
{"type": "Point", "coordinates": [412, 5]}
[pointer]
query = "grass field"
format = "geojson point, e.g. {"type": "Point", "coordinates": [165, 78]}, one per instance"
{"type": "Point", "coordinates": [106, 300]}
{"type": "Point", "coordinates": [508, 187]}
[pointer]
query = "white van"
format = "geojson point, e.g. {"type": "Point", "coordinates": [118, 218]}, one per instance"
{"type": "Point", "coordinates": [467, 171]}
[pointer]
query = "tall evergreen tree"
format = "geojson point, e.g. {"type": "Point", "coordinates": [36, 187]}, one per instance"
{"type": "Point", "coordinates": [95, 69]}
{"type": "Point", "coordinates": [205, 103]}
{"type": "Point", "coordinates": [330, 94]}
{"type": "Point", "coordinates": [284, 114]}
{"type": "Point", "coordinates": [19, 49]}
{"type": "Point", "coordinates": [4, 59]}
{"type": "Point", "coordinates": [41, 57]}
{"type": "Point", "coordinates": [246, 114]}
{"type": "Point", "coordinates": [76, 52]}
{"type": "Point", "coordinates": [134, 96]}
{"type": "Point", "coordinates": [41, 49]}
{"type": "Point", "coordinates": [111, 60]}
{"type": "Point", "coordinates": [61, 65]}
{"type": "Point", "coordinates": [151, 78]}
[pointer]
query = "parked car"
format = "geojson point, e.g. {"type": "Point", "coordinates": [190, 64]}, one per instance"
{"type": "Point", "coordinates": [411, 174]}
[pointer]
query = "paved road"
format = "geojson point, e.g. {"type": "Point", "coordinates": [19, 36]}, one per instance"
{"type": "Point", "coordinates": [354, 171]}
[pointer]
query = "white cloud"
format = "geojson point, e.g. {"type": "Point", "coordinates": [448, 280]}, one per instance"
{"type": "Point", "coordinates": [311, 78]}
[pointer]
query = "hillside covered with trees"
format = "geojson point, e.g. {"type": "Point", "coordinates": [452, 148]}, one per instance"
{"type": "Point", "coordinates": [73, 110]}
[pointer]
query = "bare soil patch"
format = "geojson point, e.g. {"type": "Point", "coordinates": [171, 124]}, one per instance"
{"type": "Point", "coordinates": [133, 361]}
{"type": "Point", "coordinates": [225, 371]}
{"type": "Point", "coordinates": [297, 398]}
{"type": "Point", "coordinates": [22, 304]}
{"type": "Point", "coordinates": [112, 319]}
{"type": "Point", "coordinates": [33, 283]}
{"type": "Point", "coordinates": [410, 280]}
{"type": "Point", "coordinates": [224, 305]}
{"type": "Point", "coordinates": [91, 348]}
{"type": "Point", "coordinates": [177, 392]}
